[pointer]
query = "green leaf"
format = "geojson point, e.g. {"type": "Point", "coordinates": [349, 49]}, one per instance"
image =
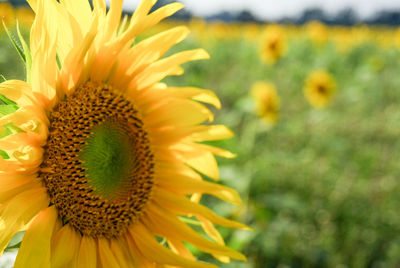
{"type": "Point", "coordinates": [14, 42]}
{"type": "Point", "coordinates": [4, 155]}
{"type": "Point", "coordinates": [28, 56]}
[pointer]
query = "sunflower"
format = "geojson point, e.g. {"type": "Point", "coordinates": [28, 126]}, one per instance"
{"type": "Point", "coordinates": [267, 101]}
{"type": "Point", "coordinates": [318, 32]}
{"type": "Point", "coordinates": [319, 88]}
{"type": "Point", "coordinates": [7, 14]}
{"type": "Point", "coordinates": [102, 164]}
{"type": "Point", "coordinates": [273, 44]}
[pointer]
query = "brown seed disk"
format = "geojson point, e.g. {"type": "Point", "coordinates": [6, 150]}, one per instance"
{"type": "Point", "coordinates": [65, 177]}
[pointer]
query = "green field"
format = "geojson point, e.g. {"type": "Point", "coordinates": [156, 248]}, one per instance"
{"type": "Point", "coordinates": [321, 187]}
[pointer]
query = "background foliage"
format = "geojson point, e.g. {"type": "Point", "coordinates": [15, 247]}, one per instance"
{"type": "Point", "coordinates": [320, 188]}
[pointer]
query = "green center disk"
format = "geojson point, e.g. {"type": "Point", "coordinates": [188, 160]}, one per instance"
{"type": "Point", "coordinates": [108, 158]}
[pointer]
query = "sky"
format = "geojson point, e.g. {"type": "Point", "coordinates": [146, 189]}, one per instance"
{"type": "Point", "coordinates": [274, 9]}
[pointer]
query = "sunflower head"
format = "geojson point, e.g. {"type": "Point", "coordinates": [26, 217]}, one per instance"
{"type": "Point", "coordinates": [319, 88]}
{"type": "Point", "coordinates": [273, 44]}
{"type": "Point", "coordinates": [267, 101]}
{"type": "Point", "coordinates": [7, 14]}
{"type": "Point", "coordinates": [98, 155]}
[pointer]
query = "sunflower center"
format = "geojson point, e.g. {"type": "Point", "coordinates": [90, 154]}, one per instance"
{"type": "Point", "coordinates": [108, 158]}
{"type": "Point", "coordinates": [321, 89]}
{"type": "Point", "coordinates": [98, 165]}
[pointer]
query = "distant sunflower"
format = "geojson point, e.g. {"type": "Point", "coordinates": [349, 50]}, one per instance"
{"type": "Point", "coordinates": [100, 159]}
{"type": "Point", "coordinates": [319, 88]}
{"type": "Point", "coordinates": [24, 16]}
{"type": "Point", "coordinates": [273, 44]}
{"type": "Point", "coordinates": [318, 32]}
{"type": "Point", "coordinates": [7, 14]}
{"type": "Point", "coordinates": [267, 101]}
{"type": "Point", "coordinates": [397, 38]}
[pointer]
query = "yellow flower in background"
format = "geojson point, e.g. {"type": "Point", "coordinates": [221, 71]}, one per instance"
{"type": "Point", "coordinates": [98, 158]}
{"type": "Point", "coordinates": [397, 38]}
{"type": "Point", "coordinates": [25, 16]}
{"type": "Point", "coordinates": [318, 32]}
{"type": "Point", "coordinates": [250, 31]}
{"type": "Point", "coordinates": [198, 27]}
{"type": "Point", "coordinates": [267, 101]}
{"type": "Point", "coordinates": [273, 44]}
{"type": "Point", "coordinates": [7, 14]}
{"type": "Point", "coordinates": [319, 88]}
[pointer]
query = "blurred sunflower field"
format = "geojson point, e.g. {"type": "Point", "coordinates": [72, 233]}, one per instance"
{"type": "Point", "coordinates": [316, 113]}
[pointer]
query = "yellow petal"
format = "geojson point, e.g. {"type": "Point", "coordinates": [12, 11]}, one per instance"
{"type": "Point", "coordinates": [12, 185]}
{"type": "Point", "coordinates": [138, 259]}
{"type": "Point", "coordinates": [21, 140]}
{"type": "Point", "coordinates": [35, 247]}
{"type": "Point", "coordinates": [215, 150]}
{"type": "Point", "coordinates": [152, 250]}
{"type": "Point", "coordinates": [202, 95]}
{"type": "Point", "coordinates": [99, 6]}
{"type": "Point", "coordinates": [19, 92]}
{"type": "Point", "coordinates": [186, 185]}
{"type": "Point", "coordinates": [113, 19]}
{"type": "Point", "coordinates": [27, 119]}
{"type": "Point", "coordinates": [178, 112]}
{"type": "Point", "coordinates": [166, 225]}
{"type": "Point", "coordinates": [80, 11]}
{"type": "Point", "coordinates": [162, 68]}
{"type": "Point", "coordinates": [145, 53]}
{"type": "Point", "coordinates": [64, 246]}
{"type": "Point", "coordinates": [202, 161]}
{"type": "Point", "coordinates": [44, 70]}
{"type": "Point", "coordinates": [121, 252]}
{"type": "Point", "coordinates": [183, 206]}
{"type": "Point", "coordinates": [73, 68]}
{"type": "Point", "coordinates": [180, 248]}
{"type": "Point", "coordinates": [20, 210]}
{"type": "Point", "coordinates": [140, 21]}
{"type": "Point", "coordinates": [87, 256]}
{"type": "Point", "coordinates": [210, 230]}
{"type": "Point", "coordinates": [210, 133]}
{"type": "Point", "coordinates": [107, 258]}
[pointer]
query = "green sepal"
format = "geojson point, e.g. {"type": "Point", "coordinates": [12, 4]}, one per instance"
{"type": "Point", "coordinates": [28, 55]}
{"type": "Point", "coordinates": [16, 241]}
{"type": "Point", "coordinates": [12, 129]}
{"type": "Point", "coordinates": [9, 129]}
{"type": "Point", "coordinates": [15, 43]}
{"type": "Point", "coordinates": [59, 64]}
{"type": "Point", "coordinates": [123, 24]}
{"type": "Point", "coordinates": [4, 155]}
{"type": "Point", "coordinates": [5, 100]}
